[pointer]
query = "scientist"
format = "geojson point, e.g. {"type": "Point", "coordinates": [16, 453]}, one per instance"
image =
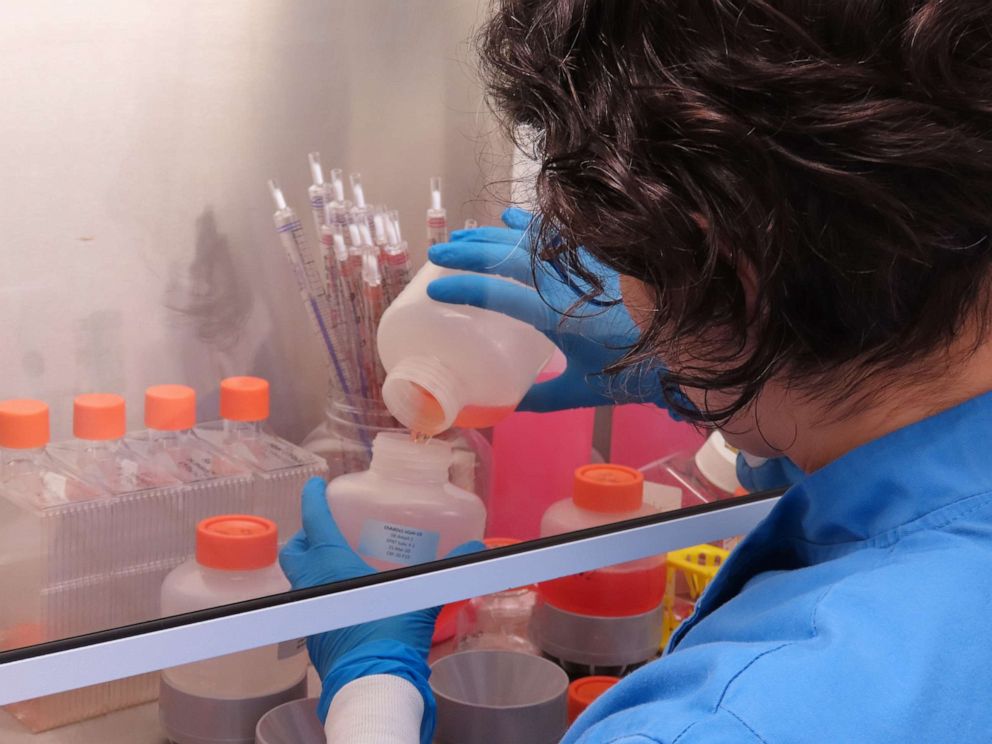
{"type": "Point", "coordinates": [793, 199]}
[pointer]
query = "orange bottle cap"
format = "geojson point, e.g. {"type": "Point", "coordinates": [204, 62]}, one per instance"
{"type": "Point", "coordinates": [23, 424]}
{"type": "Point", "coordinates": [98, 416]}
{"type": "Point", "coordinates": [236, 542]}
{"type": "Point", "coordinates": [608, 488]}
{"type": "Point", "coordinates": [500, 542]}
{"type": "Point", "coordinates": [244, 399]}
{"type": "Point", "coordinates": [584, 690]}
{"type": "Point", "coordinates": [170, 407]}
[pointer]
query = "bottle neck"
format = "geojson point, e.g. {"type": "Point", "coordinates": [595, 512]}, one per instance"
{"type": "Point", "coordinates": [169, 436]}
{"type": "Point", "coordinates": [243, 429]}
{"type": "Point", "coordinates": [423, 394]}
{"type": "Point", "coordinates": [397, 457]}
{"type": "Point", "coordinates": [15, 462]}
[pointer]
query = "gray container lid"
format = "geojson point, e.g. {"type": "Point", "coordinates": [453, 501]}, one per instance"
{"type": "Point", "coordinates": [193, 719]}
{"type": "Point", "coordinates": [499, 697]}
{"type": "Point", "coordinates": [291, 723]}
{"type": "Point", "coordinates": [596, 641]}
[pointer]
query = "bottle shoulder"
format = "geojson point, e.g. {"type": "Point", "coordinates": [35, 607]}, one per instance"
{"type": "Point", "coordinates": [191, 586]}
{"type": "Point", "coordinates": [564, 516]}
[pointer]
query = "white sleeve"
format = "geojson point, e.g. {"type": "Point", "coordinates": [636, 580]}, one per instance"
{"type": "Point", "coordinates": [378, 709]}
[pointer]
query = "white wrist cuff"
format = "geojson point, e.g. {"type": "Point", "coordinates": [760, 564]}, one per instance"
{"type": "Point", "coordinates": [378, 709]}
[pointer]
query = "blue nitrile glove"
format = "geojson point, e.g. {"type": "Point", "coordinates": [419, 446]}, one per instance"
{"type": "Point", "coordinates": [593, 338]}
{"type": "Point", "coordinates": [764, 475]}
{"type": "Point", "coordinates": [319, 554]}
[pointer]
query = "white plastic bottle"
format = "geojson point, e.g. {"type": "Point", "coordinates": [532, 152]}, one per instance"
{"type": "Point", "coordinates": [403, 510]}
{"type": "Point", "coordinates": [609, 620]}
{"type": "Point", "coordinates": [709, 474]}
{"type": "Point", "coordinates": [454, 365]}
{"type": "Point", "coordinates": [219, 700]}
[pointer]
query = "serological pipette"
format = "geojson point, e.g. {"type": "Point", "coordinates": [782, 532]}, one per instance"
{"type": "Point", "coordinates": [374, 301]}
{"type": "Point", "coordinates": [336, 207]}
{"type": "Point", "coordinates": [309, 281]}
{"type": "Point", "coordinates": [395, 262]}
{"type": "Point", "coordinates": [437, 216]}
{"type": "Point", "coordinates": [360, 209]}
{"type": "Point", "coordinates": [394, 216]}
{"type": "Point", "coordinates": [319, 192]}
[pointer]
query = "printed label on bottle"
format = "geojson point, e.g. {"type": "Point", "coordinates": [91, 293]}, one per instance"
{"type": "Point", "coordinates": [395, 543]}
{"type": "Point", "coordinates": [55, 488]}
{"type": "Point", "coordinates": [290, 648]}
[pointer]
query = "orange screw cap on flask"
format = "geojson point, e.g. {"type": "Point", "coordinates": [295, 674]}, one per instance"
{"type": "Point", "coordinates": [23, 424]}
{"type": "Point", "coordinates": [170, 407]}
{"type": "Point", "coordinates": [98, 416]}
{"type": "Point", "coordinates": [244, 399]}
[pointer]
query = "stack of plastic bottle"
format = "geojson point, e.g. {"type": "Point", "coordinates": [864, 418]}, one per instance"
{"type": "Point", "coordinates": [90, 528]}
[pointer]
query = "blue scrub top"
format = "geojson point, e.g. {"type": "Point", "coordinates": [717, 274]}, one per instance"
{"type": "Point", "coordinates": [859, 610]}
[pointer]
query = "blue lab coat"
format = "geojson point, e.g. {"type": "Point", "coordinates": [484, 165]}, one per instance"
{"type": "Point", "coordinates": [859, 610]}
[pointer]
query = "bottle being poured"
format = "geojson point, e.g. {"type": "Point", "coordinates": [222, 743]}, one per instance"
{"type": "Point", "coordinates": [453, 365]}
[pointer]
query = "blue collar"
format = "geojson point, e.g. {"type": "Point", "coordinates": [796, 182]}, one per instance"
{"type": "Point", "coordinates": [894, 480]}
{"type": "Point", "coordinates": [890, 487]}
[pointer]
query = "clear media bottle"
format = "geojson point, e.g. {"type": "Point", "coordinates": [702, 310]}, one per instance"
{"type": "Point", "coordinates": [403, 510]}
{"type": "Point", "coordinates": [219, 700]}
{"type": "Point", "coordinates": [281, 468]}
{"type": "Point", "coordinates": [609, 620]}
{"type": "Point", "coordinates": [454, 365]}
{"type": "Point", "coordinates": [709, 474]}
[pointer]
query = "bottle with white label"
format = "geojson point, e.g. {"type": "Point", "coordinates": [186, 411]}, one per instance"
{"type": "Point", "coordinates": [220, 700]}
{"type": "Point", "coordinates": [403, 510]}
{"type": "Point", "coordinates": [454, 365]}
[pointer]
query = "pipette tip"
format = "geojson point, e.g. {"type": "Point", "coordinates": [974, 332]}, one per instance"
{"type": "Point", "coordinates": [337, 181]}
{"type": "Point", "coordinates": [436, 192]}
{"type": "Point", "coordinates": [277, 195]}
{"type": "Point", "coordinates": [315, 169]}
{"type": "Point", "coordinates": [357, 190]}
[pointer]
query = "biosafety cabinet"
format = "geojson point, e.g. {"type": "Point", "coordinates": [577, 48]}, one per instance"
{"type": "Point", "coordinates": [140, 250]}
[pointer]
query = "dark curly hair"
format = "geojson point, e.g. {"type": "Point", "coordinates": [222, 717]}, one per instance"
{"type": "Point", "coordinates": [839, 152]}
